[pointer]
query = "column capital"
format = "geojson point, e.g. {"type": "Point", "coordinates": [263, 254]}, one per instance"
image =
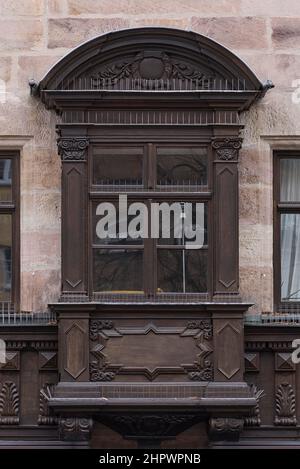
{"type": "Point", "coordinates": [72, 148]}
{"type": "Point", "coordinates": [226, 148]}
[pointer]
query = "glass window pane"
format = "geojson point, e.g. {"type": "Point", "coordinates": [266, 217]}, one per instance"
{"type": "Point", "coordinates": [194, 222]}
{"type": "Point", "coordinates": [118, 270]}
{"type": "Point", "coordinates": [118, 166]}
{"type": "Point", "coordinates": [182, 166]}
{"type": "Point", "coordinates": [289, 179]}
{"type": "Point", "coordinates": [182, 270]}
{"type": "Point", "coordinates": [114, 227]}
{"type": "Point", "coordinates": [5, 257]}
{"type": "Point", "coordinates": [290, 256]}
{"type": "Point", "coordinates": [5, 180]}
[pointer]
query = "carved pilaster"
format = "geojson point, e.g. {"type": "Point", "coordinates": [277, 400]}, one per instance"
{"type": "Point", "coordinates": [225, 150]}
{"type": "Point", "coordinates": [73, 149]}
{"type": "Point", "coordinates": [75, 428]}
{"type": "Point", "coordinates": [73, 152]}
{"type": "Point", "coordinates": [225, 428]}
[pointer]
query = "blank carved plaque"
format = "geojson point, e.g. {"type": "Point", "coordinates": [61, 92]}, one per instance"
{"type": "Point", "coordinates": [150, 351]}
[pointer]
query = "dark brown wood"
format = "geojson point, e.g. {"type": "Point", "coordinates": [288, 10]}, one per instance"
{"type": "Point", "coordinates": [226, 214]}
{"type": "Point", "coordinates": [74, 214]}
{"type": "Point", "coordinates": [158, 364]}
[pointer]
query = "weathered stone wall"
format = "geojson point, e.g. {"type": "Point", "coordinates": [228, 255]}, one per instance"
{"type": "Point", "coordinates": [34, 34]}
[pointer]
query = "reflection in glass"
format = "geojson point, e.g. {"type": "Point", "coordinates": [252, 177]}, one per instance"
{"type": "Point", "coordinates": [5, 180]}
{"type": "Point", "coordinates": [5, 256]}
{"type": "Point", "coordinates": [115, 223]}
{"type": "Point", "coordinates": [118, 166]}
{"type": "Point", "coordinates": [182, 166]}
{"type": "Point", "coordinates": [182, 270]}
{"type": "Point", "coordinates": [118, 270]}
{"type": "Point", "coordinates": [201, 225]}
{"type": "Point", "coordinates": [290, 256]}
{"type": "Point", "coordinates": [289, 179]}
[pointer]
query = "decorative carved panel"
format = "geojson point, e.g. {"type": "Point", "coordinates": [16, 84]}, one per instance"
{"type": "Point", "coordinates": [229, 344]}
{"type": "Point", "coordinates": [143, 425]}
{"type": "Point", "coordinates": [151, 350]}
{"type": "Point", "coordinates": [151, 70]}
{"type": "Point", "coordinates": [75, 362]}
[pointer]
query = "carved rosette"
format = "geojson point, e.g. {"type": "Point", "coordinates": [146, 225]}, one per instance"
{"type": "Point", "coordinates": [9, 404]}
{"type": "Point", "coordinates": [227, 149]}
{"type": "Point", "coordinates": [75, 428]}
{"type": "Point", "coordinates": [72, 149]}
{"type": "Point", "coordinates": [225, 428]}
{"type": "Point", "coordinates": [285, 405]}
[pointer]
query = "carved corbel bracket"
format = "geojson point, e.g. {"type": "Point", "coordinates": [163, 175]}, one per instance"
{"type": "Point", "coordinates": [225, 428]}
{"type": "Point", "coordinates": [75, 428]}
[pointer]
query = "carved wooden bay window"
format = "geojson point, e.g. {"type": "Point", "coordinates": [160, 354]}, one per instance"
{"type": "Point", "coordinates": [150, 115]}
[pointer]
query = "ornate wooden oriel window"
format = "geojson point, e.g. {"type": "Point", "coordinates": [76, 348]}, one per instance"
{"type": "Point", "coordinates": [156, 116]}
{"type": "Point", "coordinates": [152, 114]}
{"type": "Point", "coordinates": [9, 231]}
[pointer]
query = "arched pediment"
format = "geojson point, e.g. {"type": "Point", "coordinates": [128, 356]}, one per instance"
{"type": "Point", "coordinates": [151, 60]}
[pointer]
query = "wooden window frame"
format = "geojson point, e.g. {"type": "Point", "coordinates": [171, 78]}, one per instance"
{"type": "Point", "coordinates": [150, 247]}
{"type": "Point", "coordinates": [278, 209]}
{"type": "Point", "coordinates": [13, 208]}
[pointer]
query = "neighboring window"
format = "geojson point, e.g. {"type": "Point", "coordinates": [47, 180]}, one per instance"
{"type": "Point", "coordinates": [287, 229]}
{"type": "Point", "coordinates": [148, 173]}
{"type": "Point", "coordinates": [9, 250]}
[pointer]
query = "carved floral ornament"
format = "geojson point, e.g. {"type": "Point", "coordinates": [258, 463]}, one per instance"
{"type": "Point", "coordinates": [150, 59]}
{"type": "Point", "coordinates": [147, 67]}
